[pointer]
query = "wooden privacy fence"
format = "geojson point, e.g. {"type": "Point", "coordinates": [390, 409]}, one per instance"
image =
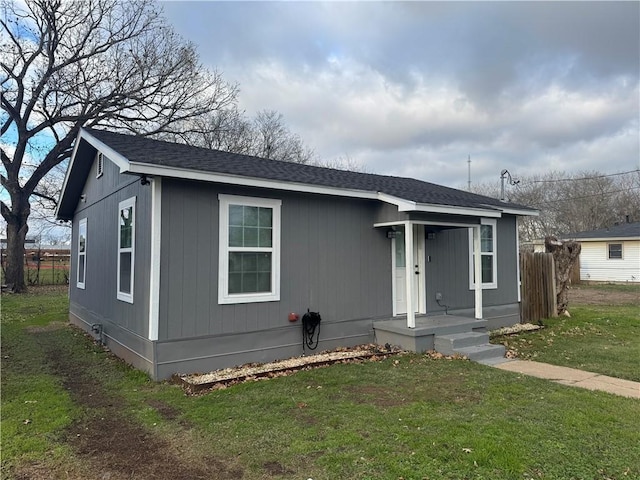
{"type": "Point", "coordinates": [537, 276]}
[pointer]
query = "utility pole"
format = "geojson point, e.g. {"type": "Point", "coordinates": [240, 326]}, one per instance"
{"type": "Point", "coordinates": [469, 173]}
{"type": "Point", "coordinates": [503, 175]}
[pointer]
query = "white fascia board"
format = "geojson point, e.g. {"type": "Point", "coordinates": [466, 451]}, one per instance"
{"type": "Point", "coordinates": [516, 211]}
{"type": "Point", "coordinates": [121, 161]}
{"type": "Point", "coordinates": [453, 210]}
{"type": "Point", "coordinates": [604, 239]}
{"type": "Point", "coordinates": [68, 172]}
{"type": "Point", "coordinates": [147, 169]}
{"type": "Point", "coordinates": [410, 206]}
{"type": "Point", "coordinates": [426, 222]}
{"type": "Point", "coordinates": [402, 204]}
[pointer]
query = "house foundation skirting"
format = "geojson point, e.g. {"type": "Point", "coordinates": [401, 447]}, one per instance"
{"type": "Point", "coordinates": [205, 354]}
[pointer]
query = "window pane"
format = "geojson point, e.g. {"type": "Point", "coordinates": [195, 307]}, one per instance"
{"type": "Point", "coordinates": [235, 283]}
{"type": "Point", "coordinates": [235, 262]}
{"type": "Point", "coordinates": [249, 262]}
{"type": "Point", "coordinates": [250, 216]}
{"type": "Point", "coordinates": [125, 272]}
{"type": "Point", "coordinates": [81, 269]}
{"type": "Point", "coordinates": [235, 236]}
{"type": "Point", "coordinates": [487, 269]}
{"type": "Point", "coordinates": [82, 237]}
{"type": "Point", "coordinates": [249, 272]}
{"type": "Point", "coordinates": [400, 253]}
{"type": "Point", "coordinates": [486, 238]}
{"type": "Point", "coordinates": [249, 282]}
{"type": "Point", "coordinates": [264, 262]}
{"type": "Point", "coordinates": [250, 237]}
{"type": "Point", "coordinates": [235, 215]}
{"type": "Point", "coordinates": [264, 237]}
{"type": "Point", "coordinates": [126, 219]}
{"type": "Point", "coordinates": [265, 217]}
{"type": "Point", "coordinates": [615, 250]}
{"type": "Point", "coordinates": [264, 282]}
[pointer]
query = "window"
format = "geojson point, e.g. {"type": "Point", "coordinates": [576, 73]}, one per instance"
{"type": "Point", "coordinates": [99, 165]}
{"type": "Point", "coordinates": [488, 248]}
{"type": "Point", "coordinates": [126, 248]}
{"type": "Point", "coordinates": [615, 251]}
{"type": "Point", "coordinates": [82, 252]}
{"type": "Point", "coordinates": [249, 269]}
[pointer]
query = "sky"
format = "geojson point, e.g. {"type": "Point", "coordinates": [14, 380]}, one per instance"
{"type": "Point", "coordinates": [416, 88]}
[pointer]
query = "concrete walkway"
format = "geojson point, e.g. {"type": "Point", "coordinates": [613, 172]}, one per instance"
{"type": "Point", "coordinates": [574, 377]}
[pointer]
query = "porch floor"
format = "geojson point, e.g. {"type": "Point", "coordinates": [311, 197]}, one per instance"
{"type": "Point", "coordinates": [422, 338]}
{"type": "Point", "coordinates": [431, 324]}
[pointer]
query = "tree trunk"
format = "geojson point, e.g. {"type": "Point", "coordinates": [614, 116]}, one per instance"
{"type": "Point", "coordinates": [17, 229]}
{"type": "Point", "coordinates": [565, 256]}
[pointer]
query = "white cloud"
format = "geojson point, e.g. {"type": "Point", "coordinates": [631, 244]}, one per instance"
{"type": "Point", "coordinates": [412, 89]}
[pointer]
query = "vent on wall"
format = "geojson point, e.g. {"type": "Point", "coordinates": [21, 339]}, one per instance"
{"type": "Point", "coordinates": [99, 166]}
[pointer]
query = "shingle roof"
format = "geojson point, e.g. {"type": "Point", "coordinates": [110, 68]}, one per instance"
{"type": "Point", "coordinates": [622, 230]}
{"type": "Point", "coordinates": [145, 150]}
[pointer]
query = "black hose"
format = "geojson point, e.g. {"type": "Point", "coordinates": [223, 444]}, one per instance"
{"type": "Point", "coordinates": [310, 330]}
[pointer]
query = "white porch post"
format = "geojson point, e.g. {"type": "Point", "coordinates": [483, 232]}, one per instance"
{"type": "Point", "coordinates": [477, 268]}
{"type": "Point", "coordinates": [409, 273]}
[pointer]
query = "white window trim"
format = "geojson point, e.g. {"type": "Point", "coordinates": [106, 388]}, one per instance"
{"type": "Point", "coordinates": [609, 250]}
{"type": "Point", "coordinates": [485, 286]}
{"type": "Point", "coordinates": [130, 202]}
{"type": "Point", "coordinates": [224, 297]}
{"type": "Point", "coordinates": [99, 165]}
{"type": "Point", "coordinates": [79, 284]}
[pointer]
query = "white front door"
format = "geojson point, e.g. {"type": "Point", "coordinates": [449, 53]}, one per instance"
{"type": "Point", "coordinates": [401, 269]}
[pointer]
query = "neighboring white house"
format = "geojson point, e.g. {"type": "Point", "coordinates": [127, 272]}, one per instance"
{"type": "Point", "coordinates": [610, 254]}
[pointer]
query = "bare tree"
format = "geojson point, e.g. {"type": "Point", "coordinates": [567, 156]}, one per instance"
{"type": "Point", "coordinates": [231, 130]}
{"type": "Point", "coordinates": [65, 65]}
{"type": "Point", "coordinates": [573, 202]}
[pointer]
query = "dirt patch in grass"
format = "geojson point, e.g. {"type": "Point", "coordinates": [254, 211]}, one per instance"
{"type": "Point", "coordinates": [46, 328]}
{"type": "Point", "coordinates": [600, 295]}
{"type": "Point", "coordinates": [114, 445]}
{"type": "Point", "coordinates": [275, 468]}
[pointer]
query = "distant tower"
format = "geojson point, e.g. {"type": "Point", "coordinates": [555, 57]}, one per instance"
{"type": "Point", "coordinates": [469, 173]}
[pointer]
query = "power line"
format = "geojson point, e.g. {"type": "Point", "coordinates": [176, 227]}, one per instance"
{"type": "Point", "coordinates": [582, 178]}
{"type": "Point", "coordinates": [565, 199]}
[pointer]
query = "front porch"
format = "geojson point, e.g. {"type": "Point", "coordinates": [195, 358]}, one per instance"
{"type": "Point", "coordinates": [447, 334]}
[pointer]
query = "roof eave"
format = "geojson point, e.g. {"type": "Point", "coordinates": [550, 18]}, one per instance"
{"type": "Point", "coordinates": [232, 179]}
{"type": "Point", "coordinates": [604, 239]}
{"type": "Point", "coordinates": [85, 136]}
{"type": "Point", "coordinates": [516, 211]}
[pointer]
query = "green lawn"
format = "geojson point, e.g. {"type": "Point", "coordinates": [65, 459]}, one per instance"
{"type": "Point", "coordinates": [407, 417]}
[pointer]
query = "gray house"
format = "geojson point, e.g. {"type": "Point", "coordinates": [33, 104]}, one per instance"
{"type": "Point", "coordinates": [187, 259]}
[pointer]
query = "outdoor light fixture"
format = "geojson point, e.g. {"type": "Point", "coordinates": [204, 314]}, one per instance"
{"type": "Point", "coordinates": [393, 233]}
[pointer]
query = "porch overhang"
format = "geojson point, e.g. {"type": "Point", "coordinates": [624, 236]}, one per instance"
{"type": "Point", "coordinates": [410, 270]}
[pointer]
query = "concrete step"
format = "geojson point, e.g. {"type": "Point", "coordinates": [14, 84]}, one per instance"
{"type": "Point", "coordinates": [449, 344]}
{"type": "Point", "coordinates": [482, 352]}
{"type": "Point", "coordinates": [494, 361]}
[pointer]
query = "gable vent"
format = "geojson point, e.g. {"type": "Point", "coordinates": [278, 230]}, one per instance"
{"type": "Point", "coordinates": [99, 166]}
